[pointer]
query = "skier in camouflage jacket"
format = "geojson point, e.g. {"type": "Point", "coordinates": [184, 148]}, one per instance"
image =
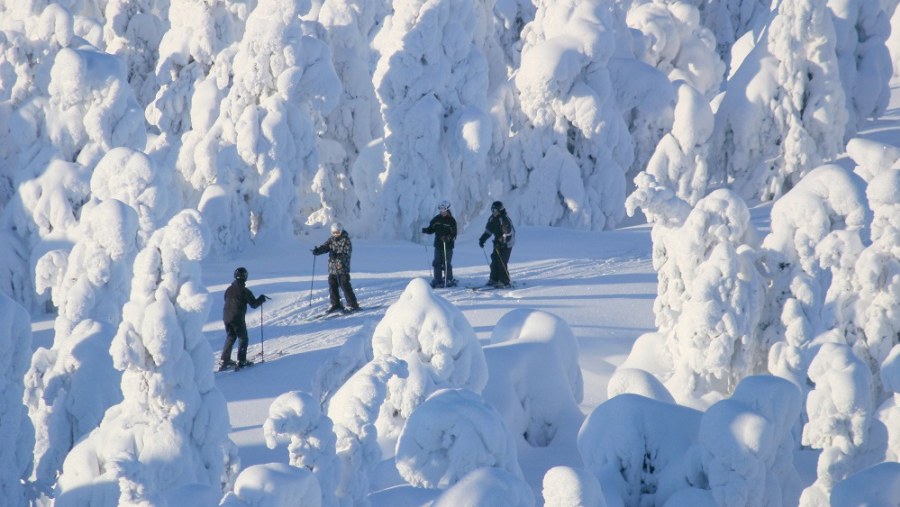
{"type": "Point", "coordinates": [339, 249]}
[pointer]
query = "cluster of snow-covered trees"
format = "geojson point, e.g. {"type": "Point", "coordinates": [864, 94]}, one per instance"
{"type": "Point", "coordinates": [136, 136]}
{"type": "Point", "coordinates": [273, 116]}
{"type": "Point", "coordinates": [813, 302]}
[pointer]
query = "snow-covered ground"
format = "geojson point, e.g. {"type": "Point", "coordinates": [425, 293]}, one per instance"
{"type": "Point", "coordinates": [602, 284]}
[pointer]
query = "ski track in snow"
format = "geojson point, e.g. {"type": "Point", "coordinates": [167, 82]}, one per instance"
{"type": "Point", "coordinates": [289, 328]}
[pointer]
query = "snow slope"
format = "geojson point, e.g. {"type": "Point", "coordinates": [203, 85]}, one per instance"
{"type": "Point", "coordinates": [601, 283]}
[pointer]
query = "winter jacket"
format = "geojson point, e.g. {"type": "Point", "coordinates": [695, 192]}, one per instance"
{"type": "Point", "coordinates": [339, 249]}
{"type": "Point", "coordinates": [237, 297]}
{"type": "Point", "coordinates": [444, 230]}
{"type": "Point", "coordinates": [502, 229]}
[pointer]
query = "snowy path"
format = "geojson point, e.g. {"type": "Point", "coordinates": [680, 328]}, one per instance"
{"type": "Point", "coordinates": [602, 284]}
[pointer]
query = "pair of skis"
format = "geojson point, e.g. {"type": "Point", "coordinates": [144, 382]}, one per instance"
{"type": "Point", "coordinates": [343, 313]}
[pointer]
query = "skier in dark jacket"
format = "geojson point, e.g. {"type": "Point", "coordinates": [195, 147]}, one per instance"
{"type": "Point", "coordinates": [500, 226]}
{"type": "Point", "coordinates": [237, 298]}
{"type": "Point", "coordinates": [443, 226]}
{"type": "Point", "coordinates": [339, 249]}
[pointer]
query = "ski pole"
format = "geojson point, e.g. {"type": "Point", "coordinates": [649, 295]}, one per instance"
{"type": "Point", "coordinates": [446, 271]}
{"type": "Point", "coordinates": [500, 258]}
{"type": "Point", "coordinates": [262, 341]}
{"type": "Point", "coordinates": [312, 279]}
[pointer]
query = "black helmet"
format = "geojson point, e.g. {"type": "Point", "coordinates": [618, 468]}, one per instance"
{"type": "Point", "coordinates": [497, 206]}
{"type": "Point", "coordinates": [240, 274]}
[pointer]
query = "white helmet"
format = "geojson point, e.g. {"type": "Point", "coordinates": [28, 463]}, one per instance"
{"type": "Point", "coordinates": [444, 205]}
{"type": "Point", "coordinates": [336, 227]}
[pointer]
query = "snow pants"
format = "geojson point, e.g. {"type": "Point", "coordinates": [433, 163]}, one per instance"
{"type": "Point", "coordinates": [343, 282]}
{"type": "Point", "coordinates": [443, 261]}
{"type": "Point", "coordinates": [235, 330]}
{"type": "Point", "coordinates": [500, 264]}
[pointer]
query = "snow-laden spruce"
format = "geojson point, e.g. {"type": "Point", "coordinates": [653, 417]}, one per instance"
{"type": "Point", "coordinates": [196, 37]}
{"type": "Point", "coordinates": [738, 453]}
{"type": "Point", "coordinates": [256, 165]}
{"type": "Point", "coordinates": [861, 29]}
{"type": "Point", "coordinates": [84, 109]}
{"type": "Point", "coordinates": [783, 112]}
{"type": "Point", "coordinates": [840, 409]}
{"type": "Point", "coordinates": [71, 384]}
{"type": "Point", "coordinates": [566, 486]}
{"type": "Point", "coordinates": [16, 430]}
{"type": "Point", "coordinates": [354, 410]}
{"type": "Point", "coordinates": [678, 45]}
{"type": "Point", "coordinates": [170, 432]}
{"type": "Point", "coordinates": [679, 164]}
{"type": "Point", "coordinates": [439, 346]}
{"type": "Point", "coordinates": [827, 200]}
{"type": "Point", "coordinates": [432, 83]}
{"type": "Point", "coordinates": [450, 434]}
{"type": "Point", "coordinates": [710, 301]}
{"type": "Point", "coordinates": [132, 31]}
{"type": "Point", "coordinates": [296, 416]}
{"type": "Point", "coordinates": [541, 411]}
{"type": "Point", "coordinates": [352, 28]}
{"type": "Point", "coordinates": [571, 148]}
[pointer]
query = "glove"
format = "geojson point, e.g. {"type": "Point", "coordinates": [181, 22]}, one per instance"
{"type": "Point", "coordinates": [481, 243]}
{"type": "Point", "coordinates": [424, 230]}
{"type": "Point", "coordinates": [264, 298]}
{"type": "Point", "coordinates": [313, 250]}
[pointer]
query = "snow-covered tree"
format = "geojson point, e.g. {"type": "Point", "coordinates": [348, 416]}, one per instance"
{"type": "Point", "coordinates": [439, 346]}
{"type": "Point", "coordinates": [197, 35]}
{"type": "Point", "coordinates": [747, 445]}
{"type": "Point", "coordinates": [70, 385]}
{"type": "Point", "coordinates": [171, 428]}
{"type": "Point", "coordinates": [680, 160]}
{"type": "Point", "coordinates": [840, 410]}
{"type": "Point", "coordinates": [860, 489]}
{"type": "Point", "coordinates": [711, 292]}
{"type": "Point", "coordinates": [828, 200]}
{"type": "Point", "coordinates": [861, 28]}
{"type": "Point", "coordinates": [678, 45]}
{"type": "Point", "coordinates": [889, 411]}
{"type": "Point", "coordinates": [714, 343]}
{"type": "Point", "coordinates": [296, 415]}
{"type": "Point", "coordinates": [540, 411]}
{"type": "Point", "coordinates": [875, 283]}
{"type": "Point", "coordinates": [133, 31]}
{"type": "Point", "coordinates": [432, 82]}
{"type": "Point", "coordinates": [487, 486]}
{"type": "Point", "coordinates": [16, 430]}
{"type": "Point", "coordinates": [256, 165]}
{"type": "Point", "coordinates": [729, 20]}
{"type": "Point", "coordinates": [352, 27]}
{"type": "Point", "coordinates": [784, 110]}
{"type": "Point", "coordinates": [639, 449]}
{"type": "Point", "coordinates": [90, 110]}
{"type": "Point", "coordinates": [450, 434]}
{"type": "Point", "coordinates": [566, 486]}
{"type": "Point", "coordinates": [571, 149]}
{"type": "Point", "coordinates": [738, 453]}
{"type": "Point", "coordinates": [354, 410]}
{"type": "Point", "coordinates": [272, 485]}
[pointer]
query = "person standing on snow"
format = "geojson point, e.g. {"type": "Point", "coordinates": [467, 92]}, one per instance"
{"type": "Point", "coordinates": [500, 226]}
{"type": "Point", "coordinates": [443, 226]}
{"type": "Point", "coordinates": [339, 249]}
{"type": "Point", "coordinates": [237, 298]}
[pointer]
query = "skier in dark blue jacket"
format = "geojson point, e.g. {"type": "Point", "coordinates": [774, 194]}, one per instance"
{"type": "Point", "coordinates": [237, 298]}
